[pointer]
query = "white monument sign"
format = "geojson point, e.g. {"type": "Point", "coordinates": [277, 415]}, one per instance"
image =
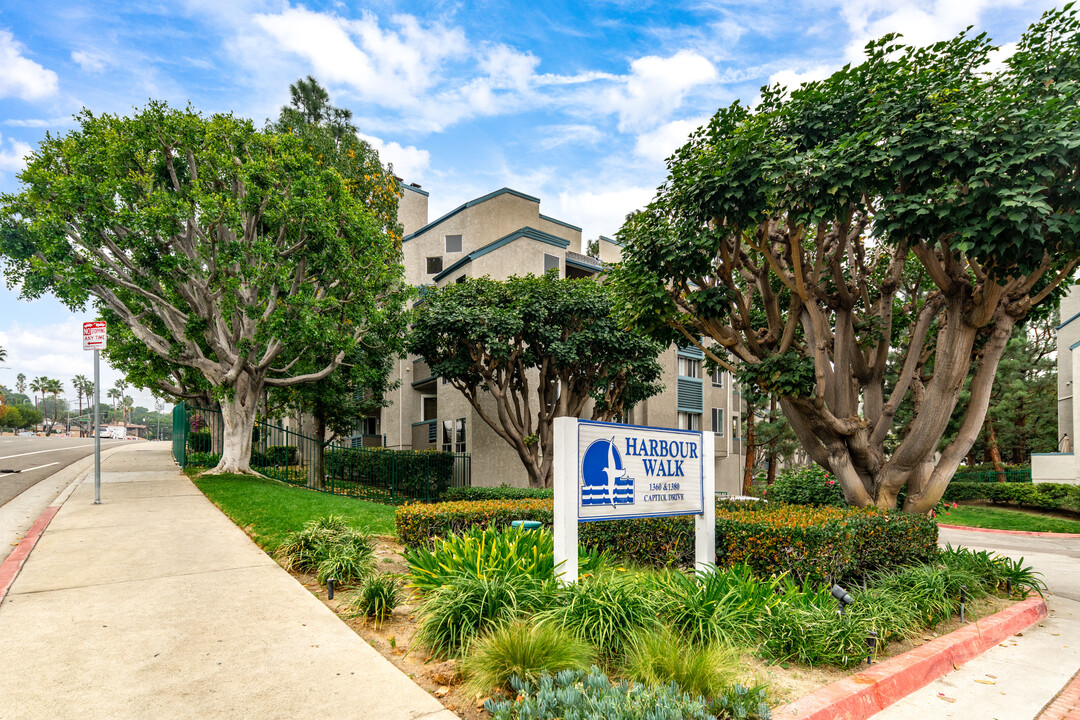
{"type": "Point", "coordinates": [610, 471]}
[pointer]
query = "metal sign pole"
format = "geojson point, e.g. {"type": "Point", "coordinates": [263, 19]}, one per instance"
{"type": "Point", "coordinates": [97, 430]}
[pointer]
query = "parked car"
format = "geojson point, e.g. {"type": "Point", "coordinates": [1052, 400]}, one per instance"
{"type": "Point", "coordinates": [26, 433]}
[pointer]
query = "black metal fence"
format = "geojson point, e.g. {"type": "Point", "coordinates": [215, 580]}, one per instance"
{"type": "Point", "coordinates": [374, 474]}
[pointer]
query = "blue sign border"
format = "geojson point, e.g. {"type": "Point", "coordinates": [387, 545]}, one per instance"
{"type": "Point", "coordinates": [700, 435]}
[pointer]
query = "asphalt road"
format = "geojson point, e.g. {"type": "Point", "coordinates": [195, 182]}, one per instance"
{"type": "Point", "coordinates": [36, 458]}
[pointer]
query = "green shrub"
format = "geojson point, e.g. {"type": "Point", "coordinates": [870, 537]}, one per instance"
{"type": "Point", "coordinates": [278, 455]}
{"type": "Point", "coordinates": [524, 650]}
{"type": "Point", "coordinates": [485, 552]}
{"type": "Point", "coordinates": [378, 597]}
{"type": "Point", "coordinates": [329, 547]}
{"type": "Point", "coordinates": [1041, 496]}
{"type": "Point", "coordinates": [502, 492]}
{"type": "Point", "coordinates": [200, 441]}
{"type": "Point", "coordinates": [406, 474]}
{"type": "Point", "coordinates": [482, 552]}
{"type": "Point", "coordinates": [721, 606]}
{"type": "Point", "coordinates": [806, 485]}
{"type": "Point", "coordinates": [605, 610]}
{"type": "Point", "coordinates": [658, 658]}
{"type": "Point", "coordinates": [452, 616]}
{"type": "Point", "coordinates": [349, 559]}
{"type": "Point", "coordinates": [591, 696]}
{"type": "Point", "coordinates": [772, 538]}
{"type": "Point", "coordinates": [203, 459]}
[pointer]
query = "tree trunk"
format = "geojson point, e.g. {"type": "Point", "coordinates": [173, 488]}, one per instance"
{"type": "Point", "coordinates": [770, 476]}
{"type": "Point", "coordinates": [315, 451]}
{"type": "Point", "coordinates": [748, 473]}
{"type": "Point", "coordinates": [238, 417]}
{"type": "Point", "coordinates": [995, 451]}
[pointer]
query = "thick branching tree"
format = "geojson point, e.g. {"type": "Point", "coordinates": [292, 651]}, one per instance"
{"type": "Point", "coordinates": [528, 350]}
{"type": "Point", "coordinates": [918, 204]}
{"type": "Point", "coordinates": [229, 250]}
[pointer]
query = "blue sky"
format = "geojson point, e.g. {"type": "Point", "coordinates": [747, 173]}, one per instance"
{"type": "Point", "coordinates": [577, 103]}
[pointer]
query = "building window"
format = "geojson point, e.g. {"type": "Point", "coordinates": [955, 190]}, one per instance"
{"type": "Point", "coordinates": [459, 435]}
{"type": "Point", "coordinates": [448, 436]}
{"type": "Point", "coordinates": [718, 378]}
{"type": "Point", "coordinates": [735, 426]}
{"type": "Point", "coordinates": [718, 421]}
{"type": "Point", "coordinates": [689, 367]}
{"type": "Point", "coordinates": [453, 243]}
{"type": "Point", "coordinates": [551, 262]}
{"type": "Point", "coordinates": [689, 421]}
{"type": "Point", "coordinates": [434, 265]}
{"type": "Point", "coordinates": [461, 279]}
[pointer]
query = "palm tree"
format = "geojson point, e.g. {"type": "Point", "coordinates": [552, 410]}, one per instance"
{"type": "Point", "coordinates": [127, 405]}
{"type": "Point", "coordinates": [114, 395]}
{"type": "Point", "coordinates": [88, 391]}
{"type": "Point", "coordinates": [20, 383]}
{"type": "Point", "coordinates": [78, 383]}
{"type": "Point", "coordinates": [37, 385]}
{"type": "Point", "coordinates": [56, 388]}
{"type": "Point", "coordinates": [3, 354]}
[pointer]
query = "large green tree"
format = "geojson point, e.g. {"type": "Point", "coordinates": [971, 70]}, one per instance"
{"type": "Point", "coordinates": [226, 249]}
{"type": "Point", "coordinates": [920, 203]}
{"type": "Point", "coordinates": [530, 349]}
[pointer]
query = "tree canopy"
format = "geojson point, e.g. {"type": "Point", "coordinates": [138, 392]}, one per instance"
{"type": "Point", "coordinates": [232, 251]}
{"type": "Point", "coordinates": [868, 238]}
{"type": "Point", "coordinates": [530, 349]}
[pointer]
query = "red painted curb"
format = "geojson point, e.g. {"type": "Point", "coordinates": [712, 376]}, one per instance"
{"type": "Point", "coordinates": [1026, 533]}
{"type": "Point", "coordinates": [11, 567]}
{"type": "Point", "coordinates": [861, 695]}
{"type": "Point", "coordinates": [1065, 702]}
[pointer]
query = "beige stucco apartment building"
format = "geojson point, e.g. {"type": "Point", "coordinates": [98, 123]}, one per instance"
{"type": "Point", "coordinates": [499, 235]}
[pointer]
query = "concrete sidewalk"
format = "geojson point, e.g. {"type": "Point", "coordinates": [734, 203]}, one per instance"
{"type": "Point", "coordinates": [153, 604]}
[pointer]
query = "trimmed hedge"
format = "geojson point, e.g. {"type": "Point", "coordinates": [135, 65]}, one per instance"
{"type": "Point", "coordinates": [502, 492]}
{"type": "Point", "coordinates": [807, 543]}
{"type": "Point", "coordinates": [418, 474]}
{"type": "Point", "coordinates": [1042, 496]}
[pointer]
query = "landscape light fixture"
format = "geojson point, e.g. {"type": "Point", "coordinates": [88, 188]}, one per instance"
{"type": "Point", "coordinates": [842, 596]}
{"type": "Point", "coordinates": [330, 588]}
{"type": "Point", "coordinates": [871, 644]}
{"type": "Point", "coordinates": [963, 599]}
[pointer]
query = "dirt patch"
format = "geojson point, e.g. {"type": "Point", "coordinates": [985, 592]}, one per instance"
{"type": "Point", "coordinates": [393, 639]}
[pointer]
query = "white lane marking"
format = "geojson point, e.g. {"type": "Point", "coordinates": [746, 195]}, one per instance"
{"type": "Point", "coordinates": [39, 467]}
{"type": "Point", "coordinates": [38, 452]}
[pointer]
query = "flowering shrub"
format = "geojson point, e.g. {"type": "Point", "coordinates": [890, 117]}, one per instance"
{"type": "Point", "coordinates": [809, 543]}
{"type": "Point", "coordinates": [809, 485]}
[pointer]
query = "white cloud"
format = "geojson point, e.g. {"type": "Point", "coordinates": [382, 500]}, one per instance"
{"type": "Point", "coordinates": [921, 22]}
{"type": "Point", "coordinates": [557, 135]}
{"type": "Point", "coordinates": [19, 76]}
{"type": "Point", "coordinates": [90, 61]}
{"type": "Point", "coordinates": [792, 79]}
{"type": "Point", "coordinates": [410, 162]}
{"type": "Point", "coordinates": [601, 213]}
{"type": "Point", "coordinates": [394, 68]}
{"type": "Point", "coordinates": [13, 160]}
{"type": "Point", "coordinates": [657, 145]}
{"type": "Point", "coordinates": [656, 87]}
{"type": "Point", "coordinates": [40, 122]}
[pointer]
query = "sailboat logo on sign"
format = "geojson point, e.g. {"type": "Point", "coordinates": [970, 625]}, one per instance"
{"type": "Point", "coordinates": [605, 479]}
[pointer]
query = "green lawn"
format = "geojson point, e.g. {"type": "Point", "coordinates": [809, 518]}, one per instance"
{"type": "Point", "coordinates": [269, 510]}
{"type": "Point", "coordinates": [1006, 519]}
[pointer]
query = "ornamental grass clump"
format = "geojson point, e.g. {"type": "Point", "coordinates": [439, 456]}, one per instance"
{"type": "Point", "coordinates": [719, 606]}
{"type": "Point", "coordinates": [482, 552]}
{"type": "Point", "coordinates": [605, 610]}
{"type": "Point", "coordinates": [659, 657]}
{"type": "Point", "coordinates": [330, 548]}
{"type": "Point", "coordinates": [452, 616]}
{"type": "Point", "coordinates": [524, 650]}
{"type": "Point", "coordinates": [377, 598]}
